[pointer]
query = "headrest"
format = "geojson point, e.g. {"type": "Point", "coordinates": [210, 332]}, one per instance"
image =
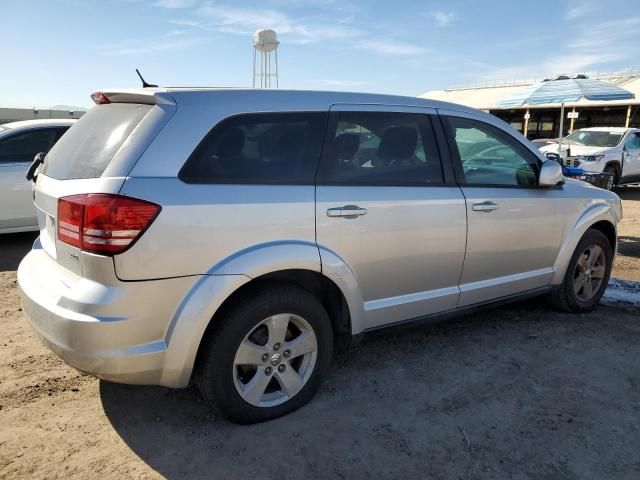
{"type": "Point", "coordinates": [347, 145]}
{"type": "Point", "coordinates": [398, 143]}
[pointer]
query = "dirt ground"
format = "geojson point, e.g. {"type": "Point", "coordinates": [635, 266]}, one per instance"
{"type": "Point", "coordinates": [627, 264]}
{"type": "Point", "coordinates": [516, 392]}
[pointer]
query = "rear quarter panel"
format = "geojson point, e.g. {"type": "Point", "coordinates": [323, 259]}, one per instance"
{"type": "Point", "coordinates": [202, 228]}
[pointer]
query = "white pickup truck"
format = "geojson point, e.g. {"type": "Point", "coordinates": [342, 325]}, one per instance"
{"type": "Point", "coordinates": [614, 150]}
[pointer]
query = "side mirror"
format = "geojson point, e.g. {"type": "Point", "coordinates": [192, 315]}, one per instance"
{"type": "Point", "coordinates": [550, 174]}
{"type": "Point", "coordinates": [553, 156]}
{"type": "Point", "coordinates": [37, 161]}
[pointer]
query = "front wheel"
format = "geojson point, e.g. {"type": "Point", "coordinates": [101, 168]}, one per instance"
{"type": "Point", "coordinates": [267, 356]}
{"type": "Point", "coordinates": [612, 177]}
{"type": "Point", "coordinates": [587, 276]}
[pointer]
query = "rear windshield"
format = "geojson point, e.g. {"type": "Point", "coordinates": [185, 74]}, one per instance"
{"type": "Point", "coordinates": [87, 148]}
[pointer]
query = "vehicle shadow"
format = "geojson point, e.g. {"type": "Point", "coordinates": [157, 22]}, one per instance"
{"type": "Point", "coordinates": [13, 247]}
{"type": "Point", "coordinates": [629, 246]}
{"type": "Point", "coordinates": [440, 400]}
{"type": "Point", "coordinates": [628, 193]}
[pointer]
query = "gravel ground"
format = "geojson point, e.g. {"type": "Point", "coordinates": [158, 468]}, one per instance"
{"type": "Point", "coordinates": [516, 392]}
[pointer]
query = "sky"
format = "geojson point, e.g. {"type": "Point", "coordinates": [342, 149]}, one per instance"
{"type": "Point", "coordinates": [59, 51]}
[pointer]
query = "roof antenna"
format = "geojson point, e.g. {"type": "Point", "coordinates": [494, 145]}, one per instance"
{"type": "Point", "coordinates": [144, 82]}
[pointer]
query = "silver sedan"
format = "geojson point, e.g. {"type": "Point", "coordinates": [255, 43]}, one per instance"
{"type": "Point", "coordinates": [19, 143]}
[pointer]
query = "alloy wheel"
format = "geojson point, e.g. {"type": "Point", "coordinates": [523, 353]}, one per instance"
{"type": "Point", "coordinates": [275, 360]}
{"type": "Point", "coordinates": [589, 273]}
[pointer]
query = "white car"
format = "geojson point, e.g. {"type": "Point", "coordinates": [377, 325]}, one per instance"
{"type": "Point", "coordinates": [19, 144]}
{"type": "Point", "coordinates": [614, 150]}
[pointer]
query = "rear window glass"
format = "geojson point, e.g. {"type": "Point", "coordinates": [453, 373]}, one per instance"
{"type": "Point", "coordinates": [380, 148]}
{"type": "Point", "coordinates": [86, 149]}
{"type": "Point", "coordinates": [259, 148]}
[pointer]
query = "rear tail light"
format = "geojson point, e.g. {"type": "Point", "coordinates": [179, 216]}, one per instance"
{"type": "Point", "coordinates": [103, 223]}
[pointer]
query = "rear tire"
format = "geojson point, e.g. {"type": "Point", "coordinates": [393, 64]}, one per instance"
{"type": "Point", "coordinates": [587, 275]}
{"type": "Point", "coordinates": [248, 373]}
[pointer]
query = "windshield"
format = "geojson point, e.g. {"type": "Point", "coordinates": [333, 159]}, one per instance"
{"type": "Point", "coordinates": [591, 138]}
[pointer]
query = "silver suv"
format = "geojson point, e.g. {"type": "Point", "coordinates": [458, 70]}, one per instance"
{"type": "Point", "coordinates": [236, 238]}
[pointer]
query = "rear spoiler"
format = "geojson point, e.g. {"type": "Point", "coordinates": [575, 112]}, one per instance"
{"type": "Point", "coordinates": [149, 96]}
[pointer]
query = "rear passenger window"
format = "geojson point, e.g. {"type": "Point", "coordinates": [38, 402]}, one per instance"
{"type": "Point", "coordinates": [380, 148]}
{"type": "Point", "coordinates": [259, 148]}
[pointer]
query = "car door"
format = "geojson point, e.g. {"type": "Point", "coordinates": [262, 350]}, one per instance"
{"type": "Point", "coordinates": [16, 154]}
{"type": "Point", "coordinates": [515, 228]}
{"type": "Point", "coordinates": [631, 155]}
{"type": "Point", "coordinates": [386, 207]}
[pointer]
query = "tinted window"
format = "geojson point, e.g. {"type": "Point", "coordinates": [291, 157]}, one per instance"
{"type": "Point", "coordinates": [380, 148]}
{"type": "Point", "coordinates": [22, 147]}
{"type": "Point", "coordinates": [490, 156]}
{"type": "Point", "coordinates": [259, 148]}
{"type": "Point", "coordinates": [86, 149]}
{"type": "Point", "coordinates": [634, 141]}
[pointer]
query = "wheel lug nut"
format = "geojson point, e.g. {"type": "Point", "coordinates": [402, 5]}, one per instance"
{"type": "Point", "coordinates": [265, 357]}
{"type": "Point", "coordinates": [281, 368]}
{"type": "Point", "coordinates": [268, 370]}
{"type": "Point", "coordinates": [276, 347]}
{"type": "Point", "coordinates": [287, 353]}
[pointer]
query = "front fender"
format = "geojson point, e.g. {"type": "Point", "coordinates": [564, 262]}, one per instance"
{"type": "Point", "coordinates": [592, 215]}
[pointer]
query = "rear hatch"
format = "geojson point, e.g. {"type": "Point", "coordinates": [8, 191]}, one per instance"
{"type": "Point", "coordinates": [95, 157]}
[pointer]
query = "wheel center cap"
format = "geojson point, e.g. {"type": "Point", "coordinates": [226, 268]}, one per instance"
{"type": "Point", "coordinates": [275, 359]}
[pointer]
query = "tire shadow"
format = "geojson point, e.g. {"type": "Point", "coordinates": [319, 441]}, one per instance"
{"type": "Point", "coordinates": [628, 193]}
{"type": "Point", "coordinates": [629, 246]}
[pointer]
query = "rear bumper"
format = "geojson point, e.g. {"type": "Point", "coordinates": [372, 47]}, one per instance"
{"type": "Point", "coordinates": [115, 331]}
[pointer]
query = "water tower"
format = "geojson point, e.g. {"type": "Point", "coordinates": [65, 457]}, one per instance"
{"type": "Point", "coordinates": [265, 42]}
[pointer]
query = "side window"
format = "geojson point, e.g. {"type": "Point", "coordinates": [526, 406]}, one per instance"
{"type": "Point", "coordinates": [259, 148]}
{"type": "Point", "coordinates": [380, 148]}
{"type": "Point", "coordinates": [634, 141]}
{"type": "Point", "coordinates": [22, 147]}
{"type": "Point", "coordinates": [490, 156]}
{"type": "Point", "coordinates": [58, 134]}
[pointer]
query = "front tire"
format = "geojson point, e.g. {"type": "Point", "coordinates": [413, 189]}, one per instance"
{"type": "Point", "coordinates": [587, 275]}
{"type": "Point", "coordinates": [267, 356]}
{"type": "Point", "coordinates": [613, 178]}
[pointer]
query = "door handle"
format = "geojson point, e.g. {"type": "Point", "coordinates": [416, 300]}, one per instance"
{"type": "Point", "coordinates": [487, 206]}
{"type": "Point", "coordinates": [348, 211]}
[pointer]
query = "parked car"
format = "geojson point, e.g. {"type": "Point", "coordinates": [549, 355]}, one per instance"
{"type": "Point", "coordinates": [19, 144]}
{"type": "Point", "coordinates": [542, 142]}
{"type": "Point", "coordinates": [236, 238]}
{"type": "Point", "coordinates": [612, 150]}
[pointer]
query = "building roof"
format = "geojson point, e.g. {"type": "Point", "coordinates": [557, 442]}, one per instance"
{"type": "Point", "coordinates": [53, 122]}
{"type": "Point", "coordinates": [486, 97]}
